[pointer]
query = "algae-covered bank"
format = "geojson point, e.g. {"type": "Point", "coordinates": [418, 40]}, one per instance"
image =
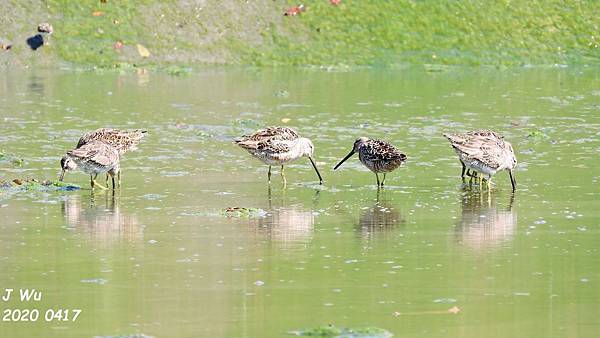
{"type": "Point", "coordinates": [366, 32]}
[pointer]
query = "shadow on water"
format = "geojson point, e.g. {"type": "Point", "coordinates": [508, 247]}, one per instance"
{"type": "Point", "coordinates": [485, 223]}
{"type": "Point", "coordinates": [36, 85]}
{"type": "Point", "coordinates": [100, 219]}
{"type": "Point", "coordinates": [380, 218]}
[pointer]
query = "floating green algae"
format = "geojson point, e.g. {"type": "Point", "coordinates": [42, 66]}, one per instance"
{"type": "Point", "coordinates": [32, 184]}
{"type": "Point", "coordinates": [242, 212]}
{"type": "Point", "coordinates": [335, 332]}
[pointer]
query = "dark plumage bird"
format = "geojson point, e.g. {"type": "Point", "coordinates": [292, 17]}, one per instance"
{"type": "Point", "coordinates": [377, 155]}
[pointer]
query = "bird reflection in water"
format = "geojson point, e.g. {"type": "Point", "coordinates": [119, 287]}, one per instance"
{"type": "Point", "coordinates": [100, 219]}
{"type": "Point", "coordinates": [485, 224]}
{"type": "Point", "coordinates": [382, 217]}
{"type": "Point", "coordinates": [288, 225]}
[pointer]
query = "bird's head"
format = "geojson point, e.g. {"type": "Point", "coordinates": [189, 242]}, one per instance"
{"type": "Point", "coordinates": [66, 164]}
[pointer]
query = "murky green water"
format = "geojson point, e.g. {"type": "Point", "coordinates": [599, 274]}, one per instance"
{"type": "Point", "coordinates": [161, 258]}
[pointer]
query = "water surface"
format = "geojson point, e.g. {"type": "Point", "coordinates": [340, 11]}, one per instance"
{"type": "Point", "coordinates": [161, 257]}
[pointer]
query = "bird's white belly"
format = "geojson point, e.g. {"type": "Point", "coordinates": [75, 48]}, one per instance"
{"type": "Point", "coordinates": [269, 159]}
{"type": "Point", "coordinates": [91, 169]}
{"type": "Point", "coordinates": [480, 167]}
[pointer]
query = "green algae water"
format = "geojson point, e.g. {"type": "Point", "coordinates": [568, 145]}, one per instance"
{"type": "Point", "coordinates": [196, 244]}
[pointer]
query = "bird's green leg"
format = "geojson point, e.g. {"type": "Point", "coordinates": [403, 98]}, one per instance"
{"type": "Point", "coordinates": [489, 182]}
{"type": "Point", "coordinates": [480, 184]}
{"type": "Point", "coordinates": [473, 175]}
{"type": "Point", "coordinates": [462, 174]}
{"type": "Point", "coordinates": [269, 175]}
{"type": "Point", "coordinates": [92, 182]}
{"type": "Point", "coordinates": [95, 183]}
{"type": "Point", "coordinates": [378, 184]}
{"type": "Point", "coordinates": [383, 181]}
{"type": "Point", "coordinates": [283, 176]}
{"type": "Point", "coordinates": [106, 183]}
{"type": "Point", "coordinates": [113, 182]}
{"type": "Point", "coordinates": [119, 178]}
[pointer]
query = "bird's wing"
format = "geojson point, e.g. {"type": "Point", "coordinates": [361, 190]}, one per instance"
{"type": "Point", "coordinates": [378, 150]}
{"type": "Point", "coordinates": [491, 154]}
{"type": "Point", "coordinates": [95, 152]}
{"type": "Point", "coordinates": [284, 133]}
{"type": "Point", "coordinates": [122, 140]}
{"type": "Point", "coordinates": [273, 146]}
{"type": "Point", "coordinates": [98, 134]}
{"type": "Point", "coordinates": [485, 133]}
{"type": "Point", "coordinates": [261, 139]}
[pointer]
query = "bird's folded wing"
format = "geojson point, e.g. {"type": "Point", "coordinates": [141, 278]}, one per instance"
{"type": "Point", "coordinates": [283, 133]}
{"type": "Point", "coordinates": [91, 155]}
{"type": "Point", "coordinates": [273, 146]}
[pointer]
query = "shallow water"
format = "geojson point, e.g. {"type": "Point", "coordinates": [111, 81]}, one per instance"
{"type": "Point", "coordinates": [162, 258]}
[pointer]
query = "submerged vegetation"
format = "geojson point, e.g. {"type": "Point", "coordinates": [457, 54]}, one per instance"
{"type": "Point", "coordinates": [14, 160]}
{"type": "Point", "coordinates": [149, 33]}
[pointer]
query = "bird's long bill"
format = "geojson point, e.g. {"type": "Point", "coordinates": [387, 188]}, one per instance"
{"type": "Point", "coordinates": [316, 170]}
{"type": "Point", "coordinates": [344, 159]}
{"type": "Point", "coordinates": [62, 176]}
{"type": "Point", "coordinates": [512, 180]}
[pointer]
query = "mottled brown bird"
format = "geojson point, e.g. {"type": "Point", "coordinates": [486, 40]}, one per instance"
{"type": "Point", "coordinates": [377, 155]}
{"type": "Point", "coordinates": [485, 152]}
{"type": "Point", "coordinates": [122, 140]}
{"type": "Point", "coordinates": [93, 158]}
{"type": "Point", "coordinates": [278, 146]}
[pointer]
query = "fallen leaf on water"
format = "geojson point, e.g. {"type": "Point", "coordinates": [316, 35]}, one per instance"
{"type": "Point", "coordinates": [5, 46]}
{"type": "Point", "coordinates": [285, 120]}
{"type": "Point", "coordinates": [118, 45]}
{"type": "Point", "coordinates": [293, 11]}
{"type": "Point", "coordinates": [97, 13]}
{"type": "Point", "coordinates": [143, 51]}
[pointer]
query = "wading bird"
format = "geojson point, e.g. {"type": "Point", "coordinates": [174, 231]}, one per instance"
{"type": "Point", "coordinates": [377, 155]}
{"type": "Point", "coordinates": [122, 140]}
{"type": "Point", "coordinates": [484, 152]}
{"type": "Point", "coordinates": [93, 158]}
{"type": "Point", "coordinates": [278, 146]}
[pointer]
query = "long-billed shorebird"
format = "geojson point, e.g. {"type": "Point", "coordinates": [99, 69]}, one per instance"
{"type": "Point", "coordinates": [377, 155]}
{"type": "Point", "coordinates": [484, 152]}
{"type": "Point", "coordinates": [122, 140]}
{"type": "Point", "coordinates": [278, 146]}
{"type": "Point", "coordinates": [93, 158]}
